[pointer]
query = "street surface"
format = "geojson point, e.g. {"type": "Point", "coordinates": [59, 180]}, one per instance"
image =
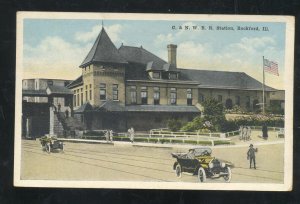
{"type": "Point", "coordinates": [124, 162]}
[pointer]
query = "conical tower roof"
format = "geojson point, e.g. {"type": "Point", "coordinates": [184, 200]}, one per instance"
{"type": "Point", "coordinates": [103, 51]}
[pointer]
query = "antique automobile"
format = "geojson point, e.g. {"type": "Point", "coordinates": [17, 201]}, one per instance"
{"type": "Point", "coordinates": [199, 161]}
{"type": "Point", "coordinates": [51, 144]}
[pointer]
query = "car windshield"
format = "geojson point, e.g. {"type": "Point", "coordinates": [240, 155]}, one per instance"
{"type": "Point", "coordinates": [206, 151]}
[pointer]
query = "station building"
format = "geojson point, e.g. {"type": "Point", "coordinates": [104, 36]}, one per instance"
{"type": "Point", "coordinates": [132, 87]}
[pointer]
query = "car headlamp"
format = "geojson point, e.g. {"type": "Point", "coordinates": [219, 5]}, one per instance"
{"type": "Point", "coordinates": [210, 165]}
{"type": "Point", "coordinates": [223, 164]}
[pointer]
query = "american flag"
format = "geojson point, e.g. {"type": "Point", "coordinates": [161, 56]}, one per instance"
{"type": "Point", "coordinates": [271, 67]}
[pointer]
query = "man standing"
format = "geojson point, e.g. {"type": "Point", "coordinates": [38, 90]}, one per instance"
{"type": "Point", "coordinates": [251, 155]}
{"type": "Point", "coordinates": [265, 131]}
{"type": "Point", "coordinates": [131, 134]}
{"type": "Point", "coordinates": [241, 132]}
{"type": "Point", "coordinates": [111, 134]}
{"type": "Point", "coordinates": [245, 133]}
{"type": "Point", "coordinates": [248, 133]}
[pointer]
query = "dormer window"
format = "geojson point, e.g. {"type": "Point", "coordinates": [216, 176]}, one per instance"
{"type": "Point", "coordinates": [173, 76]}
{"type": "Point", "coordinates": [156, 75]}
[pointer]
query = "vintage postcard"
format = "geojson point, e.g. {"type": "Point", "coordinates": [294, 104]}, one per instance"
{"type": "Point", "coordinates": [154, 101]}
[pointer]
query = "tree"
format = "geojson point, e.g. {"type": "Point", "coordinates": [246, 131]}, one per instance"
{"type": "Point", "coordinates": [212, 107]}
{"type": "Point", "coordinates": [213, 115]}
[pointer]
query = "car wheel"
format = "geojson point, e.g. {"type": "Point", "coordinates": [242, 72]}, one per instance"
{"type": "Point", "coordinates": [201, 175]}
{"type": "Point", "coordinates": [178, 171]}
{"type": "Point", "coordinates": [227, 178]}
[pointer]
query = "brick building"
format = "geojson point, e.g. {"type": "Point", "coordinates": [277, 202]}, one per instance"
{"type": "Point", "coordinates": [131, 86]}
{"type": "Point", "coordinates": [38, 96]}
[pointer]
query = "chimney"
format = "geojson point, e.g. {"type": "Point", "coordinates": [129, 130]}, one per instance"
{"type": "Point", "coordinates": [172, 54]}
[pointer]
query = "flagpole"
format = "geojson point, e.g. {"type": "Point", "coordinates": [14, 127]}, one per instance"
{"type": "Point", "coordinates": [263, 86]}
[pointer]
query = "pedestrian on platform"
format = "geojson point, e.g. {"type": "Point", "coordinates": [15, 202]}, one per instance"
{"type": "Point", "coordinates": [251, 155]}
{"type": "Point", "coordinates": [245, 133]}
{"type": "Point", "coordinates": [131, 134]}
{"type": "Point", "coordinates": [111, 135]}
{"type": "Point", "coordinates": [107, 135]}
{"type": "Point", "coordinates": [241, 132]}
{"type": "Point", "coordinates": [248, 133]}
{"type": "Point", "coordinates": [265, 132]}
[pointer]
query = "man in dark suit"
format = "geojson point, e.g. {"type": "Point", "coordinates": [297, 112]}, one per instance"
{"type": "Point", "coordinates": [251, 155]}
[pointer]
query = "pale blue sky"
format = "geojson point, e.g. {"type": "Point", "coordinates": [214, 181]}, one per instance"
{"type": "Point", "coordinates": [59, 46]}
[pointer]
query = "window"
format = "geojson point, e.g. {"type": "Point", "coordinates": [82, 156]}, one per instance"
{"type": "Point", "coordinates": [247, 101]}
{"type": "Point", "coordinates": [220, 98]}
{"type": "Point", "coordinates": [102, 91]}
{"type": "Point", "coordinates": [90, 91]}
{"type": "Point", "coordinates": [173, 96]}
{"type": "Point", "coordinates": [156, 95]}
{"type": "Point", "coordinates": [173, 76]}
{"type": "Point", "coordinates": [78, 97]}
{"type": "Point", "coordinates": [115, 92]}
{"type": "Point", "coordinates": [81, 102]}
{"type": "Point", "coordinates": [156, 75]}
{"type": "Point", "coordinates": [237, 100]}
{"type": "Point", "coordinates": [201, 97]}
{"type": "Point", "coordinates": [133, 94]}
{"type": "Point", "coordinates": [86, 92]}
{"type": "Point", "coordinates": [144, 95]}
{"type": "Point", "coordinates": [50, 83]}
{"type": "Point", "coordinates": [74, 99]}
{"type": "Point", "coordinates": [189, 97]}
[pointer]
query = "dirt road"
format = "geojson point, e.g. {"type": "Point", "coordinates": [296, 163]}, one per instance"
{"type": "Point", "coordinates": [130, 163]}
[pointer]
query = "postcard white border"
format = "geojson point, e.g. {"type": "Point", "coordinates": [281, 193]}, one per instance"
{"type": "Point", "coordinates": [289, 82]}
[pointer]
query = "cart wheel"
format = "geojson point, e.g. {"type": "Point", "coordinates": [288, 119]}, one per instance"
{"type": "Point", "coordinates": [201, 175]}
{"type": "Point", "coordinates": [178, 171]}
{"type": "Point", "coordinates": [62, 147]}
{"type": "Point", "coordinates": [48, 148]}
{"type": "Point", "coordinates": [227, 178]}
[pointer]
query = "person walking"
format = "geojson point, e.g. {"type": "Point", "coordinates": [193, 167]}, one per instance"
{"type": "Point", "coordinates": [244, 133]}
{"type": "Point", "coordinates": [131, 134]}
{"type": "Point", "coordinates": [111, 135]}
{"type": "Point", "coordinates": [241, 132]}
{"type": "Point", "coordinates": [265, 131]}
{"type": "Point", "coordinates": [251, 155]}
{"type": "Point", "coordinates": [248, 133]}
{"type": "Point", "coordinates": [107, 135]}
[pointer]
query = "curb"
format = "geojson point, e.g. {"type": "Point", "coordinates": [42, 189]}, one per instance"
{"type": "Point", "coordinates": [166, 146]}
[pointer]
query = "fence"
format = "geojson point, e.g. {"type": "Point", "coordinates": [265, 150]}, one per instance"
{"type": "Point", "coordinates": [269, 128]}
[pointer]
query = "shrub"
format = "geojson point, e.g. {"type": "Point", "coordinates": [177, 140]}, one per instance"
{"type": "Point", "coordinates": [174, 124]}
{"type": "Point", "coordinates": [94, 133]}
{"type": "Point", "coordinates": [120, 138]}
{"type": "Point", "coordinates": [256, 120]}
{"type": "Point", "coordinates": [221, 142]}
{"type": "Point", "coordinates": [154, 140]}
{"type": "Point", "coordinates": [141, 139]}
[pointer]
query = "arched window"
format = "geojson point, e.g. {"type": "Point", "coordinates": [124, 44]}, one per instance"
{"type": "Point", "coordinates": [228, 104]}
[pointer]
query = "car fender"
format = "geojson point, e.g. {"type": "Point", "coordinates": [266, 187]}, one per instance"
{"type": "Point", "coordinates": [197, 168]}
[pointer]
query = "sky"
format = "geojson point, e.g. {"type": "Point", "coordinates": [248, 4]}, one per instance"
{"type": "Point", "coordinates": [54, 48]}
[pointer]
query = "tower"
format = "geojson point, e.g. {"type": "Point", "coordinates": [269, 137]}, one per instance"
{"type": "Point", "coordinates": [103, 72]}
